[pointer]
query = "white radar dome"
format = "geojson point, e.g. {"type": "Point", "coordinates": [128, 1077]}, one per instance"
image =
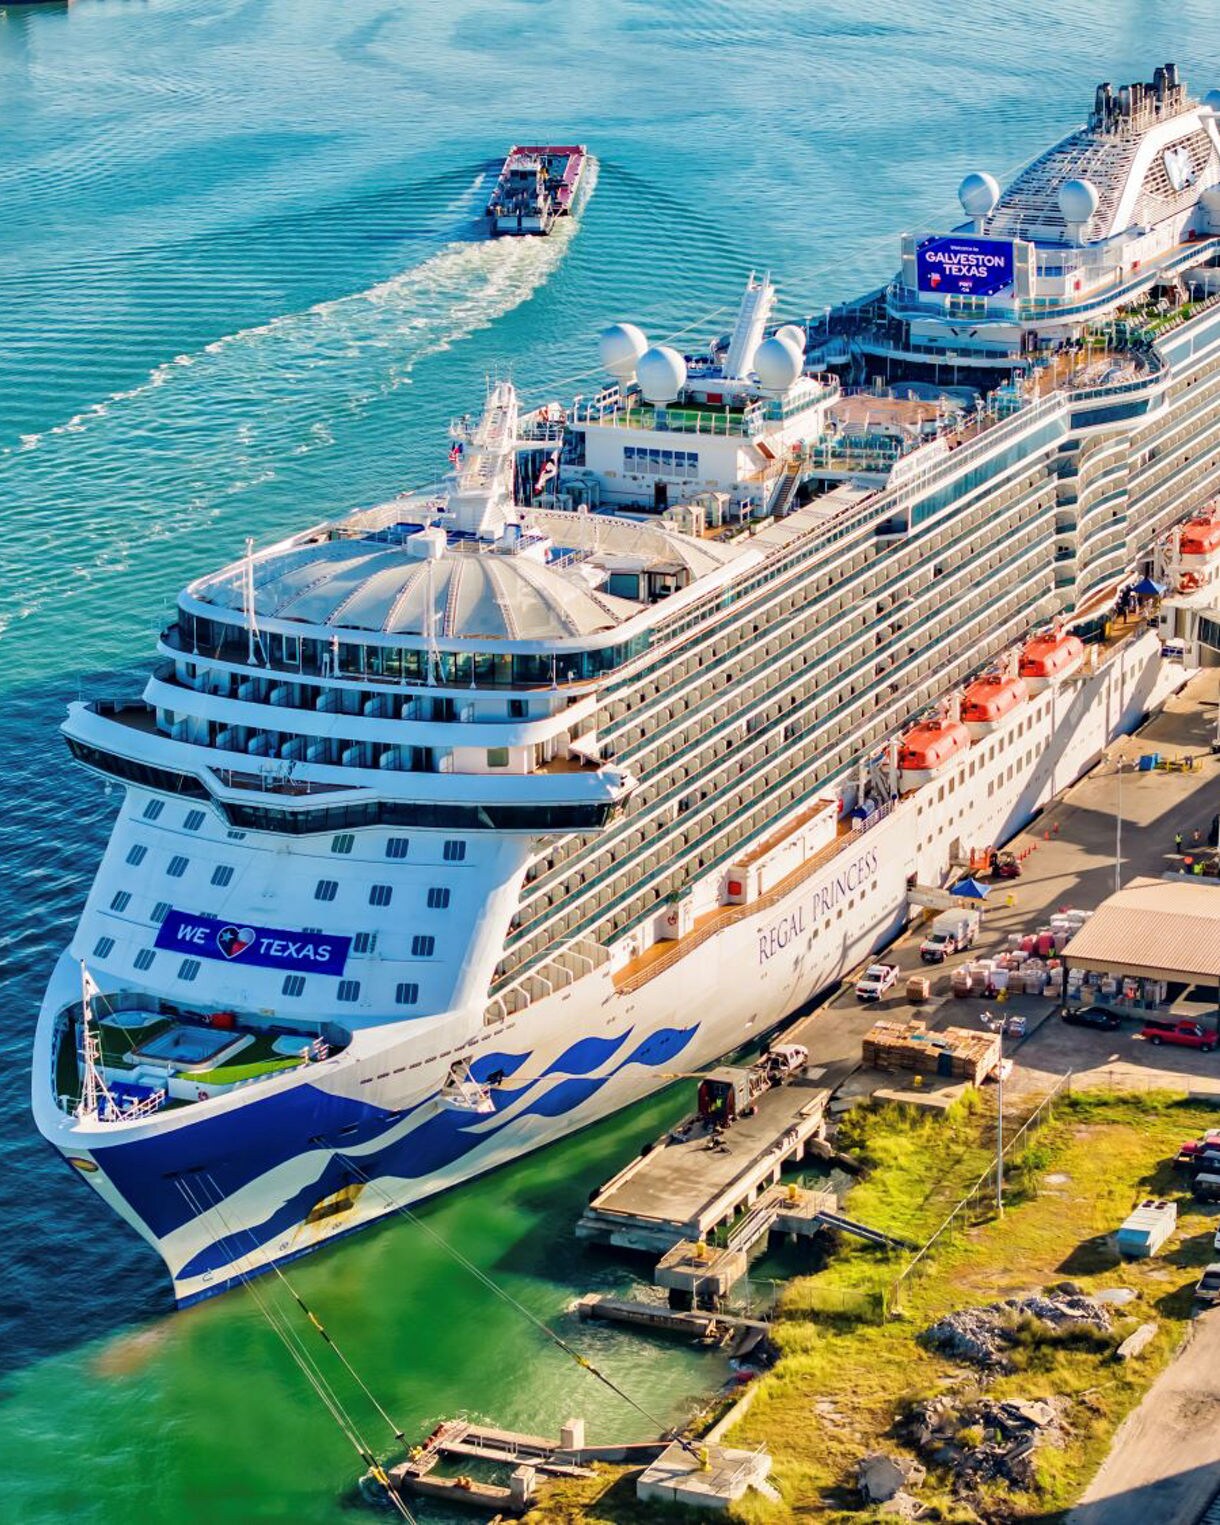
{"type": "Point", "coordinates": [978, 194]}
{"type": "Point", "coordinates": [1211, 101]}
{"type": "Point", "coordinates": [620, 347]}
{"type": "Point", "coordinates": [662, 373]}
{"type": "Point", "coordinates": [777, 363]}
{"type": "Point", "coordinates": [1078, 200]}
{"type": "Point", "coordinates": [794, 333]}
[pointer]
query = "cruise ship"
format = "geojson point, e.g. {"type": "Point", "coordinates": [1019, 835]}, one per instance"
{"type": "Point", "coordinates": [454, 824]}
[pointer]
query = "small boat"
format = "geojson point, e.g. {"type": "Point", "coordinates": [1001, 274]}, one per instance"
{"type": "Point", "coordinates": [1049, 657]}
{"type": "Point", "coordinates": [989, 700]}
{"type": "Point", "coordinates": [537, 186]}
{"type": "Point", "coordinates": [927, 748]}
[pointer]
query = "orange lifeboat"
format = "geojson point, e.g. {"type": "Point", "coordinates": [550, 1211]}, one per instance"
{"type": "Point", "coordinates": [1048, 657]}
{"type": "Point", "coordinates": [989, 699]}
{"type": "Point", "coordinates": [926, 748]}
{"type": "Point", "coordinates": [1201, 537]}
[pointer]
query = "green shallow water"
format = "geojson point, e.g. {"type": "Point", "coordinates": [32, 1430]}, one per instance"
{"type": "Point", "coordinates": [204, 1416]}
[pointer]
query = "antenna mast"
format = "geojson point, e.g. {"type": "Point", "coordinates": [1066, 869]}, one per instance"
{"type": "Point", "coordinates": [94, 1085]}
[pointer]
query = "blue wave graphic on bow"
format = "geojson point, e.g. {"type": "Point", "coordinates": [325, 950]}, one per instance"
{"type": "Point", "coordinates": [437, 1142]}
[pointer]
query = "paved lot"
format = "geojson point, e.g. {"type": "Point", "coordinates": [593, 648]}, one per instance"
{"type": "Point", "coordinates": [1164, 1464]}
{"type": "Point", "coordinates": [1072, 864]}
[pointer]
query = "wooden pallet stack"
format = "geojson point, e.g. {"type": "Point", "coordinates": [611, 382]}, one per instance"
{"type": "Point", "coordinates": [956, 1053]}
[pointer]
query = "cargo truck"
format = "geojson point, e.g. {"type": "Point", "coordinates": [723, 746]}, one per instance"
{"type": "Point", "coordinates": [950, 932]}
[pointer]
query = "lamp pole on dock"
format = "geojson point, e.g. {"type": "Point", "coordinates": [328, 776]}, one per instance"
{"type": "Point", "coordinates": [999, 1128]}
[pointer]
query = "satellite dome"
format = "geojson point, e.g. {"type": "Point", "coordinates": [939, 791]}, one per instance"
{"type": "Point", "coordinates": [777, 363]}
{"type": "Point", "coordinates": [662, 373]}
{"type": "Point", "coordinates": [1078, 201]}
{"type": "Point", "coordinates": [978, 194]}
{"type": "Point", "coordinates": [794, 333]}
{"type": "Point", "coordinates": [620, 348]}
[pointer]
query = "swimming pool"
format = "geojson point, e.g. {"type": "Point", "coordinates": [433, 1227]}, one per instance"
{"type": "Point", "coordinates": [191, 1045]}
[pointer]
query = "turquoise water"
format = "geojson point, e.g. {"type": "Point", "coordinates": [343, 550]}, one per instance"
{"type": "Point", "coordinates": [242, 286]}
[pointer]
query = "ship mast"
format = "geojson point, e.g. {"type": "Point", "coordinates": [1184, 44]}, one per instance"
{"type": "Point", "coordinates": [94, 1086]}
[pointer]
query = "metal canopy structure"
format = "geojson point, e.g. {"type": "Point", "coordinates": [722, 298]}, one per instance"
{"type": "Point", "coordinates": [1154, 929]}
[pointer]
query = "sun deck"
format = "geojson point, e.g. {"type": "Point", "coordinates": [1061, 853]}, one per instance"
{"type": "Point", "coordinates": [152, 1055]}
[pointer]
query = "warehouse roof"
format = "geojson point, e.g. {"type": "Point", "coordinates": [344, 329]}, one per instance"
{"type": "Point", "coordinates": [1156, 928]}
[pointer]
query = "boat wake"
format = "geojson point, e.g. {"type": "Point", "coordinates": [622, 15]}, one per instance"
{"type": "Point", "coordinates": [171, 455]}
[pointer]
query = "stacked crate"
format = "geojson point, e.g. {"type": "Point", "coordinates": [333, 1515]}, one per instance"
{"type": "Point", "coordinates": [956, 1053]}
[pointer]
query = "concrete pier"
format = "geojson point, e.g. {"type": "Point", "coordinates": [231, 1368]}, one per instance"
{"type": "Point", "coordinates": [687, 1185]}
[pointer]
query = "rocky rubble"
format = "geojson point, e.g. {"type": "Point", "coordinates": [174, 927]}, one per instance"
{"type": "Point", "coordinates": [984, 1336]}
{"type": "Point", "coordinates": [984, 1439]}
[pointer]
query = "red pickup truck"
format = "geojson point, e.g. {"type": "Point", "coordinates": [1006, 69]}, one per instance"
{"type": "Point", "coordinates": [1185, 1034]}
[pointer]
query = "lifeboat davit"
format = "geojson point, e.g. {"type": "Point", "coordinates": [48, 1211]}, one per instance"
{"type": "Point", "coordinates": [1047, 658]}
{"type": "Point", "coordinates": [927, 748]}
{"type": "Point", "coordinates": [989, 700]}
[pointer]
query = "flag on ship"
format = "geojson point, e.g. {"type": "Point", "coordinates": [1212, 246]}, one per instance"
{"type": "Point", "coordinates": [455, 452]}
{"type": "Point", "coordinates": [551, 469]}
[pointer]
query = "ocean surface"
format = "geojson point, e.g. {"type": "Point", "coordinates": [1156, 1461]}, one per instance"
{"type": "Point", "coordinates": [243, 285]}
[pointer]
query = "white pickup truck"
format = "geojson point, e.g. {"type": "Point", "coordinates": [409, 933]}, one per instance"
{"type": "Point", "coordinates": [875, 981]}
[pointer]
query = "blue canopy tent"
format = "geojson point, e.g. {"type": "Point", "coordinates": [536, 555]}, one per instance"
{"type": "Point", "coordinates": [1146, 588]}
{"type": "Point", "coordinates": [970, 889]}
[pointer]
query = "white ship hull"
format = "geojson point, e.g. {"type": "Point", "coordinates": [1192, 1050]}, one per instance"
{"type": "Point", "coordinates": [224, 1188]}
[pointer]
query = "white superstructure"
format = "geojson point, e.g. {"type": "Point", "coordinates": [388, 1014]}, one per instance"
{"type": "Point", "coordinates": [451, 824]}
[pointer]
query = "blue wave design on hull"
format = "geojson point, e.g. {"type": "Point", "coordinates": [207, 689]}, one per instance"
{"type": "Point", "coordinates": [432, 1145]}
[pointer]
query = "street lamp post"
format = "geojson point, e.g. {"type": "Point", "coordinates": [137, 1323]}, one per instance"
{"type": "Point", "coordinates": [1118, 832]}
{"type": "Point", "coordinates": [998, 1025]}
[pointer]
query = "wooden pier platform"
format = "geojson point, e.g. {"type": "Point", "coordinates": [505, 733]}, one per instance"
{"type": "Point", "coordinates": [623, 1310]}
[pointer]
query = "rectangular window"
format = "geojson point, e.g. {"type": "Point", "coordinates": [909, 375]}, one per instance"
{"type": "Point", "coordinates": [406, 994]}
{"type": "Point", "coordinates": [294, 984]}
{"type": "Point", "coordinates": [326, 889]}
{"type": "Point", "coordinates": [438, 898]}
{"type": "Point", "coordinates": [137, 855]}
{"type": "Point", "coordinates": [144, 958]}
{"type": "Point", "coordinates": [188, 969]}
{"type": "Point", "coordinates": [222, 874]}
{"type": "Point", "coordinates": [364, 942]}
{"type": "Point", "coordinates": [104, 947]}
{"type": "Point", "coordinates": [153, 809]}
{"type": "Point", "coordinates": [396, 847]}
{"type": "Point", "coordinates": [342, 843]}
{"type": "Point", "coordinates": [422, 945]}
{"type": "Point", "coordinates": [497, 757]}
{"type": "Point", "coordinates": [121, 901]}
{"type": "Point", "coordinates": [380, 894]}
{"type": "Point", "coordinates": [177, 866]}
{"type": "Point", "coordinates": [160, 912]}
{"type": "Point", "coordinates": [349, 991]}
{"type": "Point", "coordinates": [455, 852]}
{"type": "Point", "coordinates": [194, 820]}
{"type": "Point", "coordinates": [518, 709]}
